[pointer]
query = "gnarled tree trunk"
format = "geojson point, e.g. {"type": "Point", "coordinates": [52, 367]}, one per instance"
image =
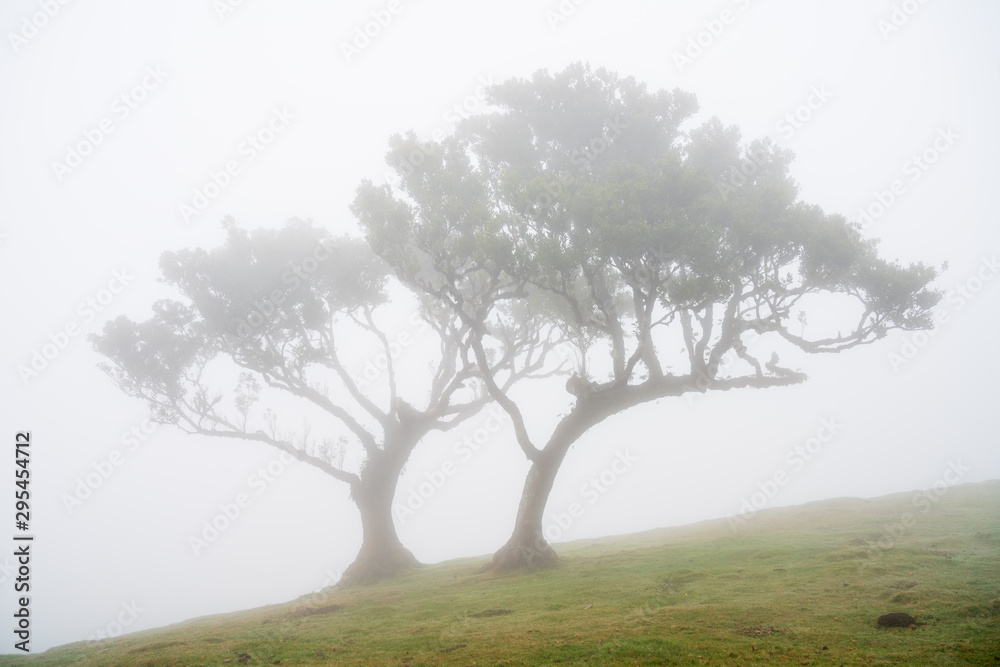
{"type": "Point", "coordinates": [382, 555]}
{"type": "Point", "coordinates": [527, 547]}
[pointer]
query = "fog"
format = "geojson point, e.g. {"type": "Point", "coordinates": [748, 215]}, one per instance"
{"type": "Point", "coordinates": [891, 116]}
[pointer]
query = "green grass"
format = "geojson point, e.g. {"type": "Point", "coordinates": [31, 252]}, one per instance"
{"type": "Point", "coordinates": [794, 586]}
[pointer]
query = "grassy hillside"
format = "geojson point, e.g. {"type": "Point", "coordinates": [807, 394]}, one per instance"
{"type": "Point", "coordinates": [793, 586]}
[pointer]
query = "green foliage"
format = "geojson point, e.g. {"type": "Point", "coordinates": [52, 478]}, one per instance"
{"type": "Point", "coordinates": [263, 298]}
{"type": "Point", "coordinates": [150, 358]}
{"type": "Point", "coordinates": [299, 276]}
{"type": "Point", "coordinates": [589, 187]}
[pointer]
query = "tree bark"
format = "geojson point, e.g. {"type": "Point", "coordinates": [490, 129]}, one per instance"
{"type": "Point", "coordinates": [527, 546]}
{"type": "Point", "coordinates": [382, 555]}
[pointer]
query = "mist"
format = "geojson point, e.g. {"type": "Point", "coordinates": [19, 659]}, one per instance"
{"type": "Point", "coordinates": [131, 130]}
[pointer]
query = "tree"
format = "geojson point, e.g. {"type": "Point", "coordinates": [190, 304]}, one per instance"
{"type": "Point", "coordinates": [262, 332]}
{"type": "Point", "coordinates": [582, 199]}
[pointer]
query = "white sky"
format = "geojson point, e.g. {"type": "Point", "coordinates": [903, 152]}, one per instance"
{"type": "Point", "coordinates": [223, 78]}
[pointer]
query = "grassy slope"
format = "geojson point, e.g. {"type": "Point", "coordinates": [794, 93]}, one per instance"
{"type": "Point", "coordinates": [794, 586]}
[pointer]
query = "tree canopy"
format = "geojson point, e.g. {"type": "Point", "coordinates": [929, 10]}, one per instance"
{"type": "Point", "coordinates": [585, 199]}
{"type": "Point", "coordinates": [268, 332]}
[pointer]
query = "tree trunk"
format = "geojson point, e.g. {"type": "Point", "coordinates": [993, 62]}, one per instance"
{"type": "Point", "coordinates": [382, 555]}
{"type": "Point", "coordinates": [527, 547]}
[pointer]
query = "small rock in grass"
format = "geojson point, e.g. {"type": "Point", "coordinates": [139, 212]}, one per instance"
{"type": "Point", "coordinates": [896, 620]}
